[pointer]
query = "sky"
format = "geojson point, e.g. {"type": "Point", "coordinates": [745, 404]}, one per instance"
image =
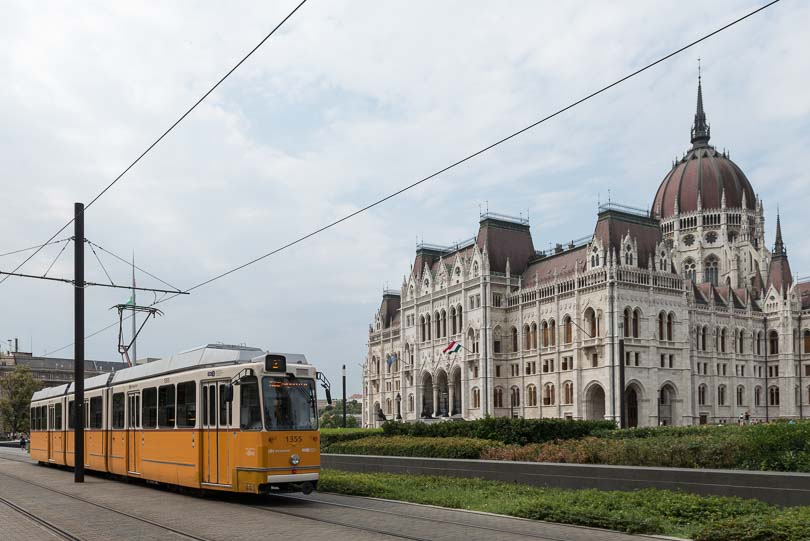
{"type": "Point", "coordinates": [349, 102]}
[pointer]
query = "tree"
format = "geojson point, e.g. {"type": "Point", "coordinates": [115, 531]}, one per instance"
{"type": "Point", "coordinates": [333, 419]}
{"type": "Point", "coordinates": [16, 390]}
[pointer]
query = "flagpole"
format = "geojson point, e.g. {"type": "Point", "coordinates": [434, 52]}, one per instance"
{"type": "Point", "coordinates": [134, 322]}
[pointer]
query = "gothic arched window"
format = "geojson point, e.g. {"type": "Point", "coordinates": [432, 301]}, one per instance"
{"type": "Point", "coordinates": [710, 270]}
{"type": "Point", "coordinates": [689, 270]}
{"type": "Point", "coordinates": [498, 397]}
{"type": "Point", "coordinates": [548, 394]}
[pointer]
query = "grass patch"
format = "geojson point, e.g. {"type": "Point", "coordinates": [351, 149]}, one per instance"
{"type": "Point", "coordinates": [648, 511]}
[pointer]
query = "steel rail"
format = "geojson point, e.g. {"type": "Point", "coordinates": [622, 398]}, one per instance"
{"type": "Point", "coordinates": [33, 517]}
{"type": "Point", "coordinates": [99, 505]}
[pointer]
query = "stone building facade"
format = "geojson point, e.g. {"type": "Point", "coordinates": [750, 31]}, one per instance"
{"type": "Point", "coordinates": [51, 371]}
{"type": "Point", "coordinates": [679, 314]}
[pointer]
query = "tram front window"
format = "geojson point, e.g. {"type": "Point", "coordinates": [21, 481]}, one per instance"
{"type": "Point", "coordinates": [289, 403]}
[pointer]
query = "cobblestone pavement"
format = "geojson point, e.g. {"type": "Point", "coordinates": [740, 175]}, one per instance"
{"type": "Point", "coordinates": [316, 517]}
{"type": "Point", "coordinates": [16, 526]}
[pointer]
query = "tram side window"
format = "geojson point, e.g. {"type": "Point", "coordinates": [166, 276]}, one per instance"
{"type": "Point", "coordinates": [43, 417]}
{"type": "Point", "coordinates": [71, 414]}
{"type": "Point", "coordinates": [250, 414]}
{"type": "Point", "coordinates": [186, 404]}
{"type": "Point", "coordinates": [166, 406]}
{"type": "Point", "coordinates": [224, 406]}
{"type": "Point", "coordinates": [96, 412]}
{"type": "Point", "coordinates": [118, 410]}
{"type": "Point", "coordinates": [58, 416]}
{"type": "Point", "coordinates": [149, 407]}
{"type": "Point", "coordinates": [34, 419]}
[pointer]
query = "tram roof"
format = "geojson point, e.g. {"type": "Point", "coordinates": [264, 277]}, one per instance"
{"type": "Point", "coordinates": [207, 355]}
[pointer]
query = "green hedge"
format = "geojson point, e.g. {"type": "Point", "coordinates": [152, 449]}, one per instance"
{"type": "Point", "coordinates": [502, 429]}
{"type": "Point", "coordinates": [648, 511]}
{"type": "Point", "coordinates": [772, 447]}
{"type": "Point", "coordinates": [334, 435]}
{"type": "Point", "coordinates": [409, 446]}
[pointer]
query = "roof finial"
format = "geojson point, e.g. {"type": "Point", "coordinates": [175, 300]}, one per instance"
{"type": "Point", "coordinates": [779, 245]}
{"type": "Point", "coordinates": [700, 129]}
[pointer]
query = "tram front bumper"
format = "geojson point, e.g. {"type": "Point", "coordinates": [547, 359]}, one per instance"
{"type": "Point", "coordinates": [290, 482]}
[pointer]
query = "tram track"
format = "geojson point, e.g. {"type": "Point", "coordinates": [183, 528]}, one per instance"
{"type": "Point", "coordinates": [61, 533]}
{"type": "Point", "coordinates": [197, 538]}
{"type": "Point", "coordinates": [175, 531]}
{"type": "Point", "coordinates": [311, 515]}
{"type": "Point", "coordinates": [387, 533]}
{"type": "Point", "coordinates": [422, 518]}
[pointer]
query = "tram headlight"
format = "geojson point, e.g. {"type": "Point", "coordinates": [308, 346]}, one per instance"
{"type": "Point", "coordinates": [295, 459]}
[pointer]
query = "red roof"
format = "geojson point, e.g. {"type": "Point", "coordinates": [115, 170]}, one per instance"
{"type": "Point", "coordinates": [562, 265]}
{"type": "Point", "coordinates": [779, 275]}
{"type": "Point", "coordinates": [506, 240]}
{"type": "Point", "coordinates": [613, 225]}
{"type": "Point", "coordinates": [707, 172]}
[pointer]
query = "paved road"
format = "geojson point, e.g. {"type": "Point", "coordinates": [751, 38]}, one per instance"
{"type": "Point", "coordinates": [102, 509]}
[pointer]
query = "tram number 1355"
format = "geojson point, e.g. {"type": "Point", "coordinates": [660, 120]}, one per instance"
{"type": "Point", "coordinates": [294, 439]}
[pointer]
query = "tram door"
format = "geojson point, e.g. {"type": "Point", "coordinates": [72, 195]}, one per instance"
{"type": "Point", "coordinates": [50, 433]}
{"type": "Point", "coordinates": [133, 432]}
{"type": "Point", "coordinates": [215, 443]}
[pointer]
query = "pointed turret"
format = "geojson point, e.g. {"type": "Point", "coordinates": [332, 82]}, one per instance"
{"type": "Point", "coordinates": [779, 245]}
{"type": "Point", "coordinates": [701, 132]}
{"type": "Point", "coordinates": [779, 274]}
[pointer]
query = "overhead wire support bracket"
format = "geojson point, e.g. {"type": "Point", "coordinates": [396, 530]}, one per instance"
{"type": "Point", "coordinates": [116, 286]}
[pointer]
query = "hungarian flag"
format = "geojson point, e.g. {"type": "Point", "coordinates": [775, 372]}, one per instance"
{"type": "Point", "coordinates": [452, 347]}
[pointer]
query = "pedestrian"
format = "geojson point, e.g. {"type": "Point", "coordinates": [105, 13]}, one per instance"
{"type": "Point", "coordinates": [22, 441]}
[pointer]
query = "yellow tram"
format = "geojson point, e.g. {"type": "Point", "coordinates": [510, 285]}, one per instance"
{"type": "Point", "coordinates": [216, 417]}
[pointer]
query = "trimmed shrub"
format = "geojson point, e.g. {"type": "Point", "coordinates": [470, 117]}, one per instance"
{"type": "Point", "coordinates": [409, 446]}
{"type": "Point", "coordinates": [334, 435]}
{"type": "Point", "coordinates": [773, 447]}
{"type": "Point", "coordinates": [502, 429]}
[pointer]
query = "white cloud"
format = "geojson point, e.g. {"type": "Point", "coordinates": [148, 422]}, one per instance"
{"type": "Point", "coordinates": [350, 101]}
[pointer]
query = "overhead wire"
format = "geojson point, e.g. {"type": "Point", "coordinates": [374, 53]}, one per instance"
{"type": "Point", "coordinates": [466, 158]}
{"type": "Point", "coordinates": [37, 246]}
{"type": "Point", "coordinates": [481, 151]}
{"type": "Point", "coordinates": [55, 259]}
{"type": "Point", "coordinates": [159, 139]}
{"type": "Point", "coordinates": [131, 264]}
{"type": "Point", "coordinates": [100, 263]}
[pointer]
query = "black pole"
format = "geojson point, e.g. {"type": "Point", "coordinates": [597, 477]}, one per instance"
{"type": "Point", "coordinates": [622, 412]}
{"type": "Point", "coordinates": [344, 396]}
{"type": "Point", "coordinates": [78, 339]}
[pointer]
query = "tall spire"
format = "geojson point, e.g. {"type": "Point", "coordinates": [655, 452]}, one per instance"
{"type": "Point", "coordinates": [700, 129]}
{"type": "Point", "coordinates": [779, 246]}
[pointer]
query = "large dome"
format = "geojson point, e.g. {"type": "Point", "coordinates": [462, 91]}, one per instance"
{"type": "Point", "coordinates": [702, 174]}
{"type": "Point", "coordinates": [706, 173]}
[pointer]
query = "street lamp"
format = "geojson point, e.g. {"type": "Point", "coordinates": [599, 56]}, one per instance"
{"type": "Point", "coordinates": [399, 407]}
{"type": "Point", "coordinates": [343, 373]}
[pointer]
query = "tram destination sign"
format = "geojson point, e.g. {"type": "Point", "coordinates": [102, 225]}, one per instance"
{"type": "Point", "coordinates": [275, 363]}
